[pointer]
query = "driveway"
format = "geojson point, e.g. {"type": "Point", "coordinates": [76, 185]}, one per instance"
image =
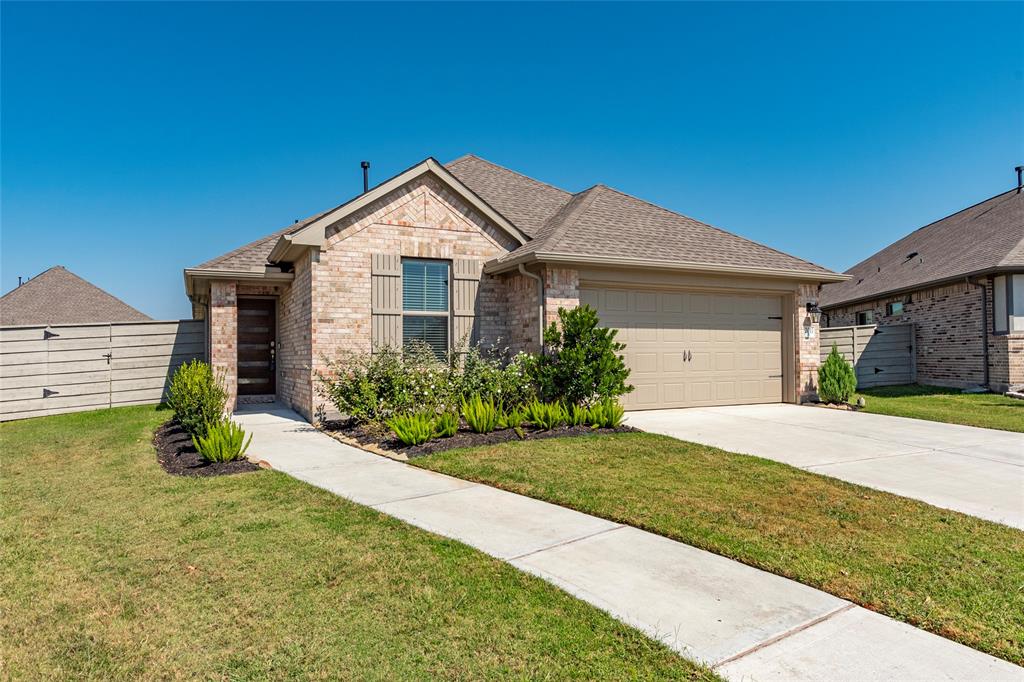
{"type": "Point", "coordinates": [964, 468]}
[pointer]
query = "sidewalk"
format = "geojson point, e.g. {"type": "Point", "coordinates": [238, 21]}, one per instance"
{"type": "Point", "coordinates": [747, 624]}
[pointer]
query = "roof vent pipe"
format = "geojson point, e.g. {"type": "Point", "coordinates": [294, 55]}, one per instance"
{"type": "Point", "coordinates": [1020, 170]}
{"type": "Point", "coordinates": [365, 165]}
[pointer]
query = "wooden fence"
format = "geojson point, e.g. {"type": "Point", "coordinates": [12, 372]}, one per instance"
{"type": "Point", "coordinates": [882, 356]}
{"type": "Point", "coordinates": [68, 368]}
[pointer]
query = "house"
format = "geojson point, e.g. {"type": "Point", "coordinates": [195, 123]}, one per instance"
{"type": "Point", "coordinates": [473, 252]}
{"type": "Point", "coordinates": [59, 296]}
{"type": "Point", "coordinates": [960, 281]}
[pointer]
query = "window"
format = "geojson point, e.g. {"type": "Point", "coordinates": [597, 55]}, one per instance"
{"type": "Point", "coordinates": [1008, 303]}
{"type": "Point", "coordinates": [895, 308]}
{"type": "Point", "coordinates": [866, 317]}
{"type": "Point", "coordinates": [425, 305]}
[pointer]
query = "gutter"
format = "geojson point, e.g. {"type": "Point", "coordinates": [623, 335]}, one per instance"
{"type": "Point", "coordinates": [984, 324]}
{"type": "Point", "coordinates": [496, 267]}
{"type": "Point", "coordinates": [541, 302]}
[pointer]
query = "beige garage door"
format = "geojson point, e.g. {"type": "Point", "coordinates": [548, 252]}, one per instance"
{"type": "Point", "coordinates": [687, 349]}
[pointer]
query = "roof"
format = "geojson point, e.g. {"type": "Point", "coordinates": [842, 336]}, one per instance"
{"type": "Point", "coordinates": [598, 223]}
{"type": "Point", "coordinates": [59, 296]}
{"type": "Point", "coordinates": [986, 237]}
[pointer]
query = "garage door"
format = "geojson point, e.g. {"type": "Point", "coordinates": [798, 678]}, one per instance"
{"type": "Point", "coordinates": [687, 349]}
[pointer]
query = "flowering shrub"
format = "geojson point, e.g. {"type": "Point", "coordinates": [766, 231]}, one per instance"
{"type": "Point", "coordinates": [373, 388]}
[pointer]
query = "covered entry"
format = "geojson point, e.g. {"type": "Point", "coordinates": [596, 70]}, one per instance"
{"type": "Point", "coordinates": [695, 348]}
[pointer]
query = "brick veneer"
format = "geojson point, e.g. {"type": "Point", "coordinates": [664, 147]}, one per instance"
{"type": "Point", "coordinates": [807, 345]}
{"type": "Point", "coordinates": [294, 336]}
{"type": "Point", "coordinates": [947, 329]}
{"type": "Point", "coordinates": [224, 335]}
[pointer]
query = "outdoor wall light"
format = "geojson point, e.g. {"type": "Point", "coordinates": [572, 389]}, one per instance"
{"type": "Point", "coordinates": [814, 311]}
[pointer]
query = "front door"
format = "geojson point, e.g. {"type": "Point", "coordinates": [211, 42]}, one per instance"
{"type": "Point", "coordinates": [257, 346]}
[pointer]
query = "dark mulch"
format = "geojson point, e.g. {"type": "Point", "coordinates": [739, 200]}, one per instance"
{"type": "Point", "coordinates": [178, 456]}
{"type": "Point", "coordinates": [386, 440]}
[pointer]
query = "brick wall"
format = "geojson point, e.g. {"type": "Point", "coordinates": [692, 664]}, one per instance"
{"type": "Point", "coordinates": [294, 336]}
{"type": "Point", "coordinates": [807, 344]}
{"type": "Point", "coordinates": [561, 290]}
{"type": "Point", "coordinates": [947, 329]}
{"type": "Point", "coordinates": [422, 219]}
{"type": "Point", "coordinates": [224, 335]}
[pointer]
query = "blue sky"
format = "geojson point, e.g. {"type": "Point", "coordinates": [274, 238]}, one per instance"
{"type": "Point", "coordinates": [142, 138]}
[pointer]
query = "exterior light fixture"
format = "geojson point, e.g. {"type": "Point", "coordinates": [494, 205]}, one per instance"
{"type": "Point", "coordinates": [814, 311]}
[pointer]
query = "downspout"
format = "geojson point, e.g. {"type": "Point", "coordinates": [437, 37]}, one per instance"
{"type": "Point", "coordinates": [541, 312]}
{"type": "Point", "coordinates": [984, 325]}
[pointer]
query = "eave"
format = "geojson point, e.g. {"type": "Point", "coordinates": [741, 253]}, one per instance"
{"type": "Point", "coordinates": [192, 275]}
{"type": "Point", "coordinates": [952, 279]}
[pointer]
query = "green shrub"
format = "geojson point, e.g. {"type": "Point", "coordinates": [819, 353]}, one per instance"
{"type": "Point", "coordinates": [582, 362]}
{"type": "Point", "coordinates": [512, 417]}
{"type": "Point", "coordinates": [492, 374]}
{"type": "Point", "coordinates": [836, 378]}
{"type": "Point", "coordinates": [481, 415]}
{"type": "Point", "coordinates": [446, 424]}
{"type": "Point", "coordinates": [546, 416]}
{"type": "Point", "coordinates": [224, 442]}
{"type": "Point", "coordinates": [577, 415]}
{"type": "Point", "coordinates": [606, 414]}
{"type": "Point", "coordinates": [412, 429]}
{"type": "Point", "coordinates": [197, 397]}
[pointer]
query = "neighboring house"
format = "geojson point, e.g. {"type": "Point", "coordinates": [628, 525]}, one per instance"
{"type": "Point", "coordinates": [473, 252]}
{"type": "Point", "coordinates": [59, 296]}
{"type": "Point", "coordinates": [960, 281]}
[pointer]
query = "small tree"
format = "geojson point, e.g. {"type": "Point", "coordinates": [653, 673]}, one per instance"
{"type": "Point", "coordinates": [582, 363]}
{"type": "Point", "coordinates": [836, 379]}
{"type": "Point", "coordinates": [197, 396]}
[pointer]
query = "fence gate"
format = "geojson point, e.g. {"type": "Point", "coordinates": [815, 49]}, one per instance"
{"type": "Point", "coordinates": [68, 368]}
{"type": "Point", "coordinates": [882, 356]}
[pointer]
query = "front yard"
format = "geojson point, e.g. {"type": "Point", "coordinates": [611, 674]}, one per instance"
{"type": "Point", "coordinates": [948, 405]}
{"type": "Point", "coordinates": [952, 574]}
{"type": "Point", "coordinates": [114, 569]}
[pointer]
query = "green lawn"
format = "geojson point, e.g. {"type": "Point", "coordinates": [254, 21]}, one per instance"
{"type": "Point", "coordinates": [113, 569]}
{"type": "Point", "coordinates": [955, 575]}
{"type": "Point", "coordinates": [948, 405]}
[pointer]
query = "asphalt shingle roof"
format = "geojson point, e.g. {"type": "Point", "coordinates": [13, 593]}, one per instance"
{"type": "Point", "coordinates": [59, 296]}
{"type": "Point", "coordinates": [599, 221]}
{"type": "Point", "coordinates": [983, 237]}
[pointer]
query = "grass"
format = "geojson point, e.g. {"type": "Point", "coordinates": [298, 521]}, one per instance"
{"type": "Point", "coordinates": [948, 405]}
{"type": "Point", "coordinates": [952, 574]}
{"type": "Point", "coordinates": [114, 569]}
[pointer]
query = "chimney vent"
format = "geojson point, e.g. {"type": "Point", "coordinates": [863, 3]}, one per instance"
{"type": "Point", "coordinates": [1020, 171]}
{"type": "Point", "coordinates": [365, 165]}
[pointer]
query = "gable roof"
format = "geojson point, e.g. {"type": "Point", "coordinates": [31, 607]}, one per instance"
{"type": "Point", "coordinates": [986, 237]}
{"type": "Point", "coordinates": [599, 224]}
{"type": "Point", "coordinates": [59, 296]}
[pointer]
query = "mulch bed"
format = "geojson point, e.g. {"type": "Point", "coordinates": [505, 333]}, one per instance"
{"type": "Point", "coordinates": [178, 456]}
{"type": "Point", "coordinates": [385, 440]}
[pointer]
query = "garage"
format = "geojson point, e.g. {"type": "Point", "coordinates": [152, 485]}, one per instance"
{"type": "Point", "coordinates": [695, 348]}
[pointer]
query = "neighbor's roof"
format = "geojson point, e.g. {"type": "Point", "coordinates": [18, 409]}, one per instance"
{"type": "Point", "coordinates": [598, 223]}
{"type": "Point", "coordinates": [59, 296]}
{"type": "Point", "coordinates": [986, 237]}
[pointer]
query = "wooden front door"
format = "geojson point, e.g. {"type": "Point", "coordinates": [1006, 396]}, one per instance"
{"type": "Point", "coordinates": [257, 346]}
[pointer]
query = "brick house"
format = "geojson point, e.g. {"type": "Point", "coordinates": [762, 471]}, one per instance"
{"type": "Point", "coordinates": [960, 281]}
{"type": "Point", "coordinates": [471, 252]}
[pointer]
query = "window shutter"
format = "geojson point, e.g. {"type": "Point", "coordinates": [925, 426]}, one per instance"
{"type": "Point", "coordinates": [465, 286]}
{"type": "Point", "coordinates": [386, 300]}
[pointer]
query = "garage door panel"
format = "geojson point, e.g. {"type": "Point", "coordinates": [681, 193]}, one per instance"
{"type": "Point", "coordinates": [733, 345]}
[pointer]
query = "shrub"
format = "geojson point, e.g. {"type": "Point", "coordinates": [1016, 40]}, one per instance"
{"type": "Point", "coordinates": [412, 429]}
{"type": "Point", "coordinates": [606, 414]}
{"type": "Point", "coordinates": [836, 378]}
{"type": "Point", "coordinates": [577, 415]}
{"type": "Point", "coordinates": [224, 441]}
{"type": "Point", "coordinates": [373, 387]}
{"type": "Point", "coordinates": [446, 424]}
{"type": "Point", "coordinates": [481, 415]}
{"type": "Point", "coordinates": [197, 397]}
{"type": "Point", "coordinates": [546, 416]}
{"type": "Point", "coordinates": [492, 374]}
{"type": "Point", "coordinates": [512, 418]}
{"type": "Point", "coordinates": [582, 362]}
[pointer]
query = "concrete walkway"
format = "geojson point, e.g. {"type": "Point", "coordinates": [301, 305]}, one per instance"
{"type": "Point", "coordinates": [748, 624]}
{"type": "Point", "coordinates": [967, 469]}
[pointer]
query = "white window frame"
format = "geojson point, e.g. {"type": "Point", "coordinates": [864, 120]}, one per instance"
{"type": "Point", "coordinates": [1008, 304]}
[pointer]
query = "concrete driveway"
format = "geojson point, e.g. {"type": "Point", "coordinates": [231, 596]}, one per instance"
{"type": "Point", "coordinates": [971, 470]}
